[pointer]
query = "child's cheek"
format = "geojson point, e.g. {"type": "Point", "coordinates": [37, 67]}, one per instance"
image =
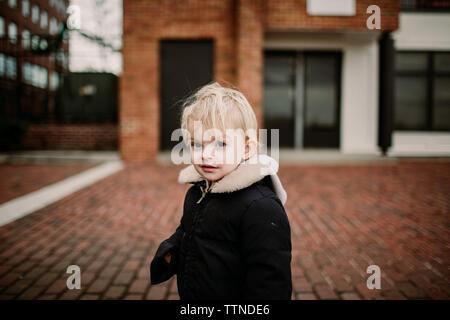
{"type": "Point", "coordinates": [196, 156]}
{"type": "Point", "coordinates": [220, 156]}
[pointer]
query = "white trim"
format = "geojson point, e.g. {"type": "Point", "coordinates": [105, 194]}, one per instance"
{"type": "Point", "coordinates": [24, 205]}
{"type": "Point", "coordinates": [423, 31]}
{"type": "Point", "coordinates": [417, 143]}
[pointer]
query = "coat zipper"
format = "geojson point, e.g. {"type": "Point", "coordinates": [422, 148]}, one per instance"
{"type": "Point", "coordinates": [205, 191]}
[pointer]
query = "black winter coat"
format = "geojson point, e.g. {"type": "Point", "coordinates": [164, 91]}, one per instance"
{"type": "Point", "coordinates": [230, 245]}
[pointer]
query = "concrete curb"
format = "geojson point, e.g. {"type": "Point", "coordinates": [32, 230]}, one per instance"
{"type": "Point", "coordinates": [24, 205]}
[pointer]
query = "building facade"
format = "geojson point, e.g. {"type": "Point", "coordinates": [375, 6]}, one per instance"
{"type": "Point", "coordinates": [422, 80]}
{"type": "Point", "coordinates": [37, 91]}
{"type": "Point", "coordinates": [307, 69]}
{"type": "Point", "coordinates": [30, 77]}
{"type": "Point", "coordinates": [321, 71]}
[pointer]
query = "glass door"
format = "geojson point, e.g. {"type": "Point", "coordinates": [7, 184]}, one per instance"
{"type": "Point", "coordinates": [321, 100]}
{"type": "Point", "coordinates": [302, 98]}
{"type": "Point", "coordinates": [279, 95]}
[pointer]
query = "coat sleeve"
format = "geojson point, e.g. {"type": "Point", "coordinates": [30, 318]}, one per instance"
{"type": "Point", "coordinates": [266, 251]}
{"type": "Point", "coordinates": [160, 270]}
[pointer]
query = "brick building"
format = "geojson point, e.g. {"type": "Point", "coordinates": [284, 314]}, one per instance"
{"type": "Point", "coordinates": [29, 77]}
{"type": "Point", "coordinates": [32, 78]}
{"type": "Point", "coordinates": [265, 48]}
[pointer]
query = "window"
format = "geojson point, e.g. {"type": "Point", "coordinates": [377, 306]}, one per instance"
{"type": "Point", "coordinates": [12, 32]}
{"type": "Point", "coordinates": [53, 26]}
{"type": "Point", "coordinates": [12, 3]}
{"type": "Point", "coordinates": [35, 14]}
{"type": "Point", "coordinates": [44, 20]}
{"type": "Point", "coordinates": [35, 42]}
{"type": "Point", "coordinates": [54, 80]}
{"type": "Point", "coordinates": [2, 64]}
{"type": "Point", "coordinates": [61, 6]}
{"type": "Point", "coordinates": [11, 65]}
{"type": "Point", "coordinates": [422, 98]}
{"type": "Point", "coordinates": [2, 27]}
{"type": "Point", "coordinates": [27, 73]}
{"type": "Point", "coordinates": [26, 39]}
{"type": "Point", "coordinates": [25, 8]}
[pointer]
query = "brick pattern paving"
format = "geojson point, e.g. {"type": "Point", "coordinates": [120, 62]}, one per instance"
{"type": "Point", "coordinates": [343, 219]}
{"type": "Point", "coordinates": [19, 179]}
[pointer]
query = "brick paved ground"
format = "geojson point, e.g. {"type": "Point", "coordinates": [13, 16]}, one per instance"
{"type": "Point", "coordinates": [343, 219]}
{"type": "Point", "coordinates": [19, 179]}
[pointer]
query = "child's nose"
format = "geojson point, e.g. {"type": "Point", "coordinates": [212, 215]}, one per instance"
{"type": "Point", "coordinates": [208, 151]}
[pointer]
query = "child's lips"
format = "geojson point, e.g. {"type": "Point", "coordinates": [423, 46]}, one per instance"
{"type": "Point", "coordinates": [208, 168]}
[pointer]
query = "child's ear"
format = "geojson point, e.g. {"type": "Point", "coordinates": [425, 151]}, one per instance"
{"type": "Point", "coordinates": [250, 149]}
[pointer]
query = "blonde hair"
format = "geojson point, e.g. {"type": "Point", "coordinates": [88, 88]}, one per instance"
{"type": "Point", "coordinates": [220, 107]}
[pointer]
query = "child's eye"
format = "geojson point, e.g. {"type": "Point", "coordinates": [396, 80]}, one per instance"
{"type": "Point", "coordinates": [196, 145]}
{"type": "Point", "coordinates": [220, 144]}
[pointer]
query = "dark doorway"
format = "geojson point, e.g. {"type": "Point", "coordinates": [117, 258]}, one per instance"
{"type": "Point", "coordinates": [186, 65]}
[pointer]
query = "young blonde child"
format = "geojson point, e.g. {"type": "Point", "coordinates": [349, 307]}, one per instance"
{"type": "Point", "coordinates": [233, 240]}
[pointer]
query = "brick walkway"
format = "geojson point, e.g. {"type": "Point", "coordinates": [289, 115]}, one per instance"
{"type": "Point", "coordinates": [19, 179]}
{"type": "Point", "coordinates": [343, 219]}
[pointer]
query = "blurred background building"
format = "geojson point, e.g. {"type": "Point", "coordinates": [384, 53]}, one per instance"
{"type": "Point", "coordinates": [45, 101]}
{"type": "Point", "coordinates": [311, 68]}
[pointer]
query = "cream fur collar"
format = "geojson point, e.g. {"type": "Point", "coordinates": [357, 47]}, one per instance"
{"type": "Point", "coordinates": [248, 172]}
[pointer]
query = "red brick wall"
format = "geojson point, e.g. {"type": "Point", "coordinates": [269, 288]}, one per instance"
{"type": "Point", "coordinates": [292, 15]}
{"type": "Point", "coordinates": [145, 24]}
{"type": "Point", "coordinates": [75, 137]}
{"type": "Point", "coordinates": [237, 28]}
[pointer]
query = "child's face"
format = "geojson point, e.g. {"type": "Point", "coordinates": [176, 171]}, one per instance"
{"type": "Point", "coordinates": [216, 154]}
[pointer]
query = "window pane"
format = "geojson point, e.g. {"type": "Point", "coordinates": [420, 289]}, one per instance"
{"type": "Point", "coordinates": [279, 87]}
{"type": "Point", "coordinates": [2, 27]}
{"type": "Point", "coordinates": [54, 80]}
{"type": "Point", "coordinates": [53, 26]}
{"type": "Point", "coordinates": [35, 14]}
{"type": "Point", "coordinates": [25, 7]}
{"type": "Point", "coordinates": [44, 20]}
{"type": "Point", "coordinates": [26, 39]}
{"type": "Point", "coordinates": [12, 32]}
{"type": "Point", "coordinates": [320, 91]}
{"type": "Point", "coordinates": [410, 103]}
{"type": "Point", "coordinates": [442, 62]}
{"type": "Point", "coordinates": [279, 96]}
{"type": "Point", "coordinates": [441, 112]}
{"type": "Point", "coordinates": [2, 64]}
{"type": "Point", "coordinates": [411, 61]}
{"type": "Point", "coordinates": [11, 67]}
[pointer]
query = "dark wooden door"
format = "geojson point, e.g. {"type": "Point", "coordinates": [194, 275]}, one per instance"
{"type": "Point", "coordinates": [186, 65]}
